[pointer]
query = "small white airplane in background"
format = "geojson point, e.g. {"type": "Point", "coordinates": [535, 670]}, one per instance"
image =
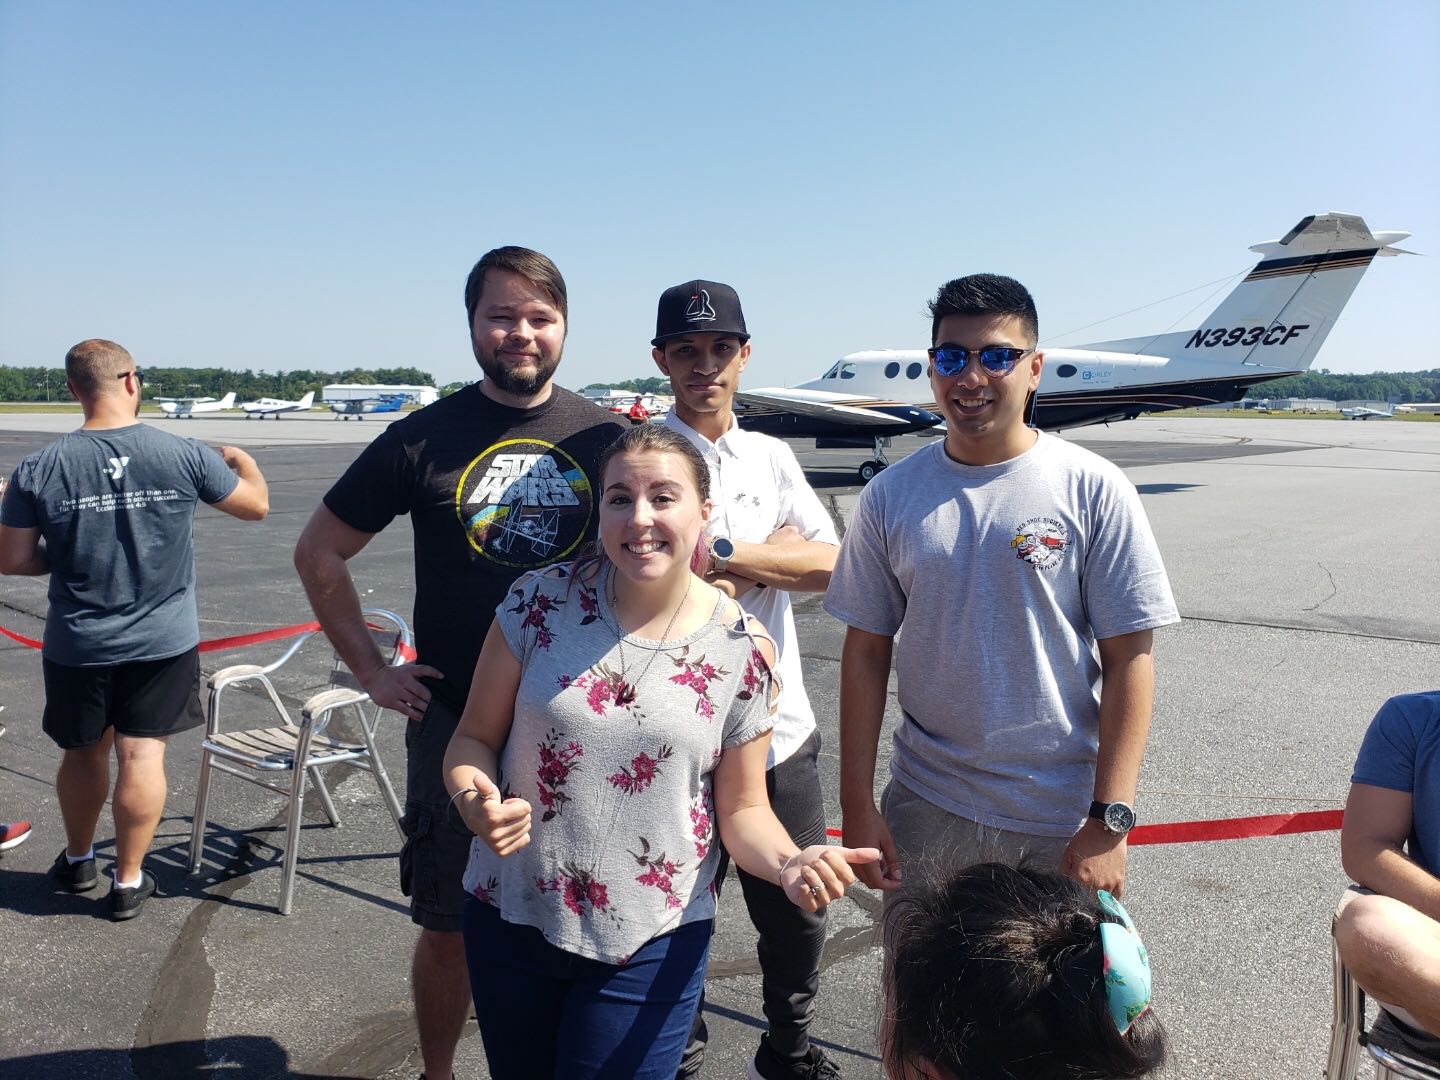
{"type": "Point", "coordinates": [274, 406]}
{"type": "Point", "coordinates": [1270, 325]}
{"type": "Point", "coordinates": [1364, 412]}
{"type": "Point", "coordinates": [181, 407]}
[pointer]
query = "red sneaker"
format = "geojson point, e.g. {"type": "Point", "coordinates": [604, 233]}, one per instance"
{"type": "Point", "coordinates": [13, 834]}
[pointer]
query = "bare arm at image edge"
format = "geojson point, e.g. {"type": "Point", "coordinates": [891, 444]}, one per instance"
{"type": "Point", "coordinates": [1372, 848]}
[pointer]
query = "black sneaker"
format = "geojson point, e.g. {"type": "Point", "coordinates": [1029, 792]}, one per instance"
{"type": "Point", "coordinates": [77, 877]}
{"type": "Point", "coordinates": [126, 903]}
{"type": "Point", "coordinates": [767, 1065]}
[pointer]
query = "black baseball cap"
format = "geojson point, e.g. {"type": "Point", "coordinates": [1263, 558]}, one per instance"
{"type": "Point", "coordinates": [699, 307]}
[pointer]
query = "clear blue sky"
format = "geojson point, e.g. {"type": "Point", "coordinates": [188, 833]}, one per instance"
{"type": "Point", "coordinates": [306, 185]}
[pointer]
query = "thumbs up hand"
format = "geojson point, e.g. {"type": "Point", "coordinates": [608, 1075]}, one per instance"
{"type": "Point", "coordinates": [504, 824]}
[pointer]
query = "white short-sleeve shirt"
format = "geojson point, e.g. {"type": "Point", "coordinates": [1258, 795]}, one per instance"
{"type": "Point", "coordinates": [757, 486]}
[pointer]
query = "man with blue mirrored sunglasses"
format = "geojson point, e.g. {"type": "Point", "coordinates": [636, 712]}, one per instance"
{"type": "Point", "coordinates": [1034, 575]}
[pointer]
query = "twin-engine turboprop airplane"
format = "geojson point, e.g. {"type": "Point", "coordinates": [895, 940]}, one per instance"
{"type": "Point", "coordinates": [181, 407]}
{"type": "Point", "coordinates": [274, 406]}
{"type": "Point", "coordinates": [1271, 325]}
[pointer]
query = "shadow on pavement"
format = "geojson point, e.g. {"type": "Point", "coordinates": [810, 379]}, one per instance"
{"type": "Point", "coordinates": [237, 1057]}
{"type": "Point", "coordinates": [1164, 489]}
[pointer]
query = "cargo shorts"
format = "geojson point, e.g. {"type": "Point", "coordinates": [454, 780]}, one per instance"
{"type": "Point", "coordinates": [437, 843]}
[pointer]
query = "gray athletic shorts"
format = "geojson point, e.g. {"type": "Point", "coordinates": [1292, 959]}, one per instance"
{"type": "Point", "coordinates": [437, 844]}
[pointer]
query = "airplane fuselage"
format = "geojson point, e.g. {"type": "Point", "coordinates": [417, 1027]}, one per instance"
{"type": "Point", "coordinates": [1077, 387]}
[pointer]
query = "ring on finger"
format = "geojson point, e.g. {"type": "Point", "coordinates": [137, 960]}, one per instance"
{"type": "Point", "coordinates": [817, 890]}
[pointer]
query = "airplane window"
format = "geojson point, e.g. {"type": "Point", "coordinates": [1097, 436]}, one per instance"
{"type": "Point", "coordinates": [847, 371]}
{"type": "Point", "coordinates": [831, 373]}
{"type": "Point", "coordinates": [892, 369]}
{"type": "Point", "coordinates": [1065, 370]}
{"type": "Point", "coordinates": [913, 371]}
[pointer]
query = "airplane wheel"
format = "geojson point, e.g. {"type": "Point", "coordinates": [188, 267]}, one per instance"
{"type": "Point", "coordinates": [868, 470]}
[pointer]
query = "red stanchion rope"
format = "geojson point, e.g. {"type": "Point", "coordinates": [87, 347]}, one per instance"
{"type": "Point", "coordinates": [1170, 832]}
{"type": "Point", "coordinates": [235, 641]}
{"type": "Point", "coordinates": [1241, 828]}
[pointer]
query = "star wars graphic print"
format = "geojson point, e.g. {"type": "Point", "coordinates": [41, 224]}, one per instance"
{"type": "Point", "coordinates": [524, 503]}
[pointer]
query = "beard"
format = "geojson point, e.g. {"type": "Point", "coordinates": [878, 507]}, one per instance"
{"type": "Point", "coordinates": [512, 381]}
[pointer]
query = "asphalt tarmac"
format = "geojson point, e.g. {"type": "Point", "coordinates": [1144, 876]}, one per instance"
{"type": "Point", "coordinates": [1300, 554]}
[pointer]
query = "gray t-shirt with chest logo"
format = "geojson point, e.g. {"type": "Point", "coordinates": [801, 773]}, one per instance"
{"type": "Point", "coordinates": [998, 581]}
{"type": "Point", "coordinates": [116, 508]}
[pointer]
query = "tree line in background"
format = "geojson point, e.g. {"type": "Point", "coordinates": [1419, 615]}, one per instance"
{"type": "Point", "coordinates": [1399, 386]}
{"type": "Point", "coordinates": [656, 385]}
{"type": "Point", "coordinates": [48, 384]}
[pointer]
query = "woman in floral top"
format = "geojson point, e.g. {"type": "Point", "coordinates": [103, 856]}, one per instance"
{"type": "Point", "coordinates": [618, 721]}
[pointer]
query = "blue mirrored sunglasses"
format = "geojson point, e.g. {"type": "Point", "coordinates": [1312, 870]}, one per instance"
{"type": "Point", "coordinates": [950, 360]}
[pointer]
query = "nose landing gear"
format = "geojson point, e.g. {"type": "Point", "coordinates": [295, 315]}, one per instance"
{"type": "Point", "coordinates": [870, 469]}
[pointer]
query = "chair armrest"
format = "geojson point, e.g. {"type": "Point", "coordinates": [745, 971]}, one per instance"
{"type": "Point", "coordinates": [328, 700]}
{"type": "Point", "coordinates": [235, 673]}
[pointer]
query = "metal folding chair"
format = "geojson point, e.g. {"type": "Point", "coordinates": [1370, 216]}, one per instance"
{"type": "Point", "coordinates": [302, 750]}
{"type": "Point", "coordinates": [1394, 1055]}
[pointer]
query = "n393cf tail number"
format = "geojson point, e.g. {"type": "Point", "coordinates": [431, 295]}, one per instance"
{"type": "Point", "coordinates": [1208, 338]}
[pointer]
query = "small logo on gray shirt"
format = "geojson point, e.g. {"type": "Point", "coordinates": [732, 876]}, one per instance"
{"type": "Point", "coordinates": [1041, 542]}
{"type": "Point", "coordinates": [117, 467]}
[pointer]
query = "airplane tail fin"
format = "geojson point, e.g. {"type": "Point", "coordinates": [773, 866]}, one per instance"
{"type": "Point", "coordinates": [307, 400]}
{"type": "Point", "coordinates": [228, 401]}
{"type": "Point", "coordinates": [1281, 313]}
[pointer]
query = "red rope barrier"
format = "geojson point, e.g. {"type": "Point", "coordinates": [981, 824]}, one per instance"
{"type": "Point", "coordinates": [1170, 832]}
{"type": "Point", "coordinates": [235, 641]}
{"type": "Point", "coordinates": [1241, 828]}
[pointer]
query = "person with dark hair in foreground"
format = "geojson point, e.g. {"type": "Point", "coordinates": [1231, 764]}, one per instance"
{"type": "Point", "coordinates": [1003, 972]}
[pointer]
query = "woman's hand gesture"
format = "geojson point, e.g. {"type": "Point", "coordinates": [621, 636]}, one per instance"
{"type": "Point", "coordinates": [820, 874]}
{"type": "Point", "coordinates": [504, 824]}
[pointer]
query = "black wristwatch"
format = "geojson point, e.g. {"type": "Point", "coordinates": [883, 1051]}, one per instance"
{"type": "Point", "coordinates": [721, 552]}
{"type": "Point", "coordinates": [1117, 817]}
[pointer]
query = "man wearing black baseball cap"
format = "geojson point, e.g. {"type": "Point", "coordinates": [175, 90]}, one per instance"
{"type": "Point", "coordinates": [768, 535]}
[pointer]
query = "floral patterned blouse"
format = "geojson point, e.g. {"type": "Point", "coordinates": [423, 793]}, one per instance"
{"type": "Point", "coordinates": [615, 750]}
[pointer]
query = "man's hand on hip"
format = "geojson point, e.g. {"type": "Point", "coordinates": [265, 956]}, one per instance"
{"type": "Point", "coordinates": [1096, 858]}
{"type": "Point", "coordinates": [399, 688]}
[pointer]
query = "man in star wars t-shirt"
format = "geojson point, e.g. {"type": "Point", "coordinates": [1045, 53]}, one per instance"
{"type": "Point", "coordinates": [498, 478]}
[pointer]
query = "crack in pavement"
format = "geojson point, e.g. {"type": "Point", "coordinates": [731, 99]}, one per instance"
{"type": "Point", "coordinates": [1333, 590]}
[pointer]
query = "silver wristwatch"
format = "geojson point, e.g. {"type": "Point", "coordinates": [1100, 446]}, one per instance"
{"type": "Point", "coordinates": [721, 552]}
{"type": "Point", "coordinates": [1117, 817]}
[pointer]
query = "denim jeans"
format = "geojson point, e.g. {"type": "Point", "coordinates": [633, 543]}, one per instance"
{"type": "Point", "coordinates": [544, 1012]}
